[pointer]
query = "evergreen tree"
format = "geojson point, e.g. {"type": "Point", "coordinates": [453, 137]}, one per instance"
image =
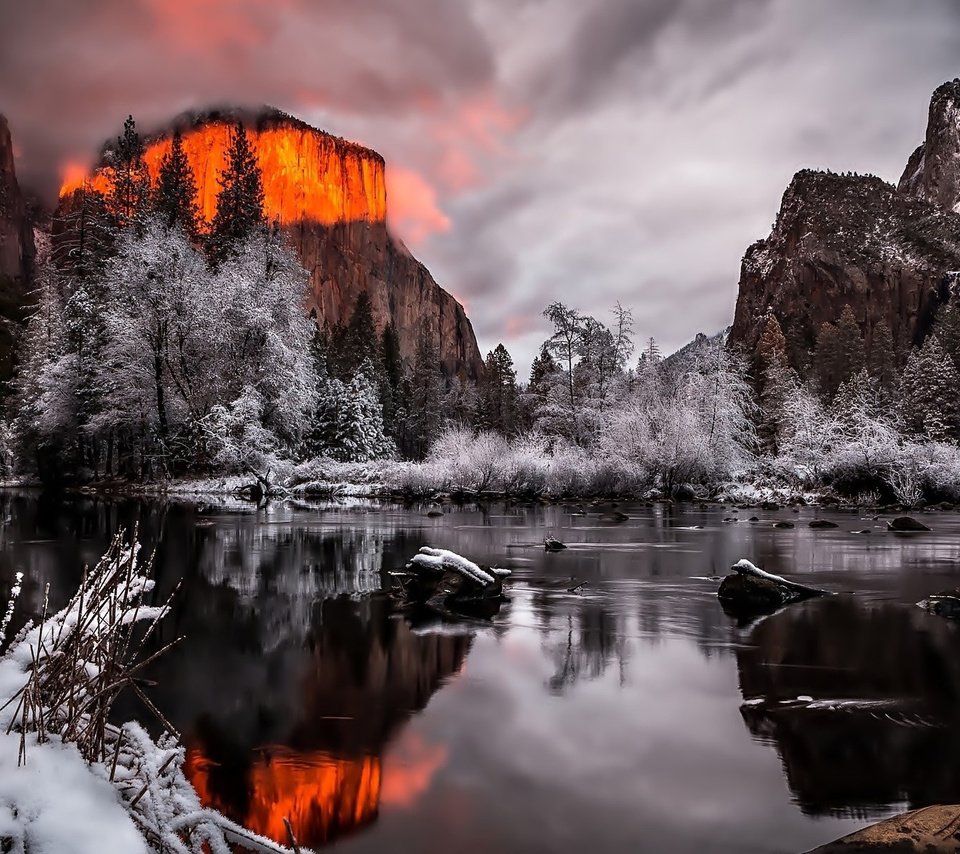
{"type": "Point", "coordinates": [929, 389]}
{"type": "Point", "coordinates": [349, 422]}
{"type": "Point", "coordinates": [84, 237]}
{"type": "Point", "coordinates": [840, 352]}
{"type": "Point", "coordinates": [498, 392]}
{"type": "Point", "coordinates": [426, 396]}
{"type": "Point", "coordinates": [175, 197]}
{"type": "Point", "coordinates": [130, 187]}
{"type": "Point", "coordinates": [882, 361]}
{"type": "Point", "coordinates": [240, 202]}
{"type": "Point", "coordinates": [357, 342]}
{"type": "Point", "coordinates": [947, 329]}
{"type": "Point", "coordinates": [534, 397]}
{"type": "Point", "coordinates": [776, 381]}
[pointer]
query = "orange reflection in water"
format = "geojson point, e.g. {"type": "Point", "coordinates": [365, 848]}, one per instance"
{"type": "Point", "coordinates": [322, 796]}
{"type": "Point", "coordinates": [308, 176]}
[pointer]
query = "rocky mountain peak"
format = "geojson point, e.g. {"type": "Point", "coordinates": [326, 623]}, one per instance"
{"type": "Point", "coordinates": [933, 170]}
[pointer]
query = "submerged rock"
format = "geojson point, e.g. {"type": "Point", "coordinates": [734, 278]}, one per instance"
{"type": "Point", "coordinates": [946, 604]}
{"type": "Point", "coordinates": [784, 525]}
{"type": "Point", "coordinates": [906, 523]}
{"type": "Point", "coordinates": [613, 516]}
{"type": "Point", "coordinates": [931, 830]}
{"type": "Point", "coordinates": [751, 591]}
{"type": "Point", "coordinates": [823, 524]}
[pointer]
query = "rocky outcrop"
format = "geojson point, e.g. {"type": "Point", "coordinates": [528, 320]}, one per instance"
{"type": "Point", "coordinates": [890, 253]}
{"type": "Point", "coordinates": [933, 171]}
{"type": "Point", "coordinates": [848, 239]}
{"type": "Point", "coordinates": [16, 253]}
{"type": "Point", "coordinates": [329, 195]}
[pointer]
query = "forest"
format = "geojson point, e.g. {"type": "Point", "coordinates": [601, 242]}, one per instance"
{"type": "Point", "coordinates": [163, 348]}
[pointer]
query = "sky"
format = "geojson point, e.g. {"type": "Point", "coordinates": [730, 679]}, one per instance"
{"type": "Point", "coordinates": [538, 150]}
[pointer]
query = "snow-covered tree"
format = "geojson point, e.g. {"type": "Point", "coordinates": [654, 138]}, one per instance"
{"type": "Point", "coordinates": [349, 422]}
{"type": "Point", "coordinates": [930, 392]}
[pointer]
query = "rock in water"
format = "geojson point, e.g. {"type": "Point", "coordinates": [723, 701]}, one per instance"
{"type": "Point", "coordinates": [946, 604]}
{"type": "Point", "coordinates": [784, 525]}
{"type": "Point", "coordinates": [931, 830]}
{"type": "Point", "coordinates": [449, 584]}
{"type": "Point", "coordinates": [751, 591]}
{"type": "Point", "coordinates": [823, 523]}
{"type": "Point", "coordinates": [906, 523]}
{"type": "Point", "coordinates": [552, 544]}
{"type": "Point", "coordinates": [613, 516]}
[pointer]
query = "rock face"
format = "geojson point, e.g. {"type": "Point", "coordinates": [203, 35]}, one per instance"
{"type": "Point", "coordinates": [933, 171]}
{"type": "Point", "coordinates": [854, 239]}
{"type": "Point", "coordinates": [16, 252]}
{"type": "Point", "coordinates": [329, 195]}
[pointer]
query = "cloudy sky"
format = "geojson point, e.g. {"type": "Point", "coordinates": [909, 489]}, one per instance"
{"type": "Point", "coordinates": [592, 152]}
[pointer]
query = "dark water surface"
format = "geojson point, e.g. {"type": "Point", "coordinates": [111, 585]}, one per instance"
{"type": "Point", "coordinates": [632, 715]}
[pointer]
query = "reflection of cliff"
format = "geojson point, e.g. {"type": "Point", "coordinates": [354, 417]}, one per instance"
{"type": "Point", "coordinates": [899, 737]}
{"type": "Point", "coordinates": [313, 746]}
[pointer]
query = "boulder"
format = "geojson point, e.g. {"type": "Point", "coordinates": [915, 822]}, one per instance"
{"type": "Point", "coordinates": [751, 591]}
{"type": "Point", "coordinates": [552, 544]}
{"type": "Point", "coordinates": [946, 604]}
{"type": "Point", "coordinates": [905, 524]}
{"type": "Point", "coordinates": [448, 584]}
{"type": "Point", "coordinates": [784, 525]}
{"type": "Point", "coordinates": [823, 524]}
{"type": "Point", "coordinates": [931, 830]}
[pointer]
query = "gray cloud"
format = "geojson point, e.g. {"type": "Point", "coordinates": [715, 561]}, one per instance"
{"type": "Point", "coordinates": [591, 152]}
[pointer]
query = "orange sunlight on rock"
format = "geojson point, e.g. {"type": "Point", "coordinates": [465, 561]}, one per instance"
{"type": "Point", "coordinates": [308, 176]}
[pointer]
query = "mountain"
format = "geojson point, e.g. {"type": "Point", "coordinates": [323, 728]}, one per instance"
{"type": "Point", "coordinates": [16, 252]}
{"type": "Point", "coordinates": [888, 252]}
{"type": "Point", "coordinates": [933, 171]}
{"type": "Point", "coordinates": [329, 196]}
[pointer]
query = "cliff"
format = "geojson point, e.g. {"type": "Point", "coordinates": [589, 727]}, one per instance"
{"type": "Point", "coordinates": [16, 253]}
{"type": "Point", "coordinates": [329, 196]}
{"type": "Point", "coordinates": [848, 239]}
{"type": "Point", "coordinates": [854, 239]}
{"type": "Point", "coordinates": [933, 171]}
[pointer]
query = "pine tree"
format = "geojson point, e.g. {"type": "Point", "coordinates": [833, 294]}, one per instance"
{"type": "Point", "coordinates": [130, 187]}
{"type": "Point", "coordinates": [392, 386]}
{"type": "Point", "coordinates": [426, 396]}
{"type": "Point", "coordinates": [349, 422]}
{"type": "Point", "coordinates": [882, 361]}
{"type": "Point", "coordinates": [240, 202]}
{"type": "Point", "coordinates": [357, 342]}
{"type": "Point", "coordinates": [775, 382]}
{"type": "Point", "coordinates": [929, 389]}
{"type": "Point", "coordinates": [947, 329]}
{"type": "Point", "coordinates": [498, 392]}
{"type": "Point", "coordinates": [840, 352]}
{"type": "Point", "coordinates": [175, 197]}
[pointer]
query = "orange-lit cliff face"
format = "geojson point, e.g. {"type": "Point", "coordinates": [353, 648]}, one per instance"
{"type": "Point", "coordinates": [308, 176]}
{"type": "Point", "coordinates": [330, 197]}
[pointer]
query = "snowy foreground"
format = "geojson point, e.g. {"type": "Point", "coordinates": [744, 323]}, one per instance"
{"type": "Point", "coordinates": [72, 782]}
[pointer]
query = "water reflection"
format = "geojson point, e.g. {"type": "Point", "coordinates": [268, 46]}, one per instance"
{"type": "Point", "coordinates": [601, 709]}
{"type": "Point", "coordinates": [892, 734]}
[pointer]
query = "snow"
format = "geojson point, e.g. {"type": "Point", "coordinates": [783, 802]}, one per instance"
{"type": "Point", "coordinates": [55, 805]}
{"type": "Point", "coordinates": [746, 566]}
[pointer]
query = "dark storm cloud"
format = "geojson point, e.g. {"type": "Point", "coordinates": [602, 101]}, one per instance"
{"type": "Point", "coordinates": [539, 149]}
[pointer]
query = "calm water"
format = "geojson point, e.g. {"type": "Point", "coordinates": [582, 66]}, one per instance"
{"type": "Point", "coordinates": [610, 719]}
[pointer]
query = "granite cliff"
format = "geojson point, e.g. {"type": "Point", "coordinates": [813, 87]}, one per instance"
{"type": "Point", "coordinates": [329, 196]}
{"type": "Point", "coordinates": [889, 252]}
